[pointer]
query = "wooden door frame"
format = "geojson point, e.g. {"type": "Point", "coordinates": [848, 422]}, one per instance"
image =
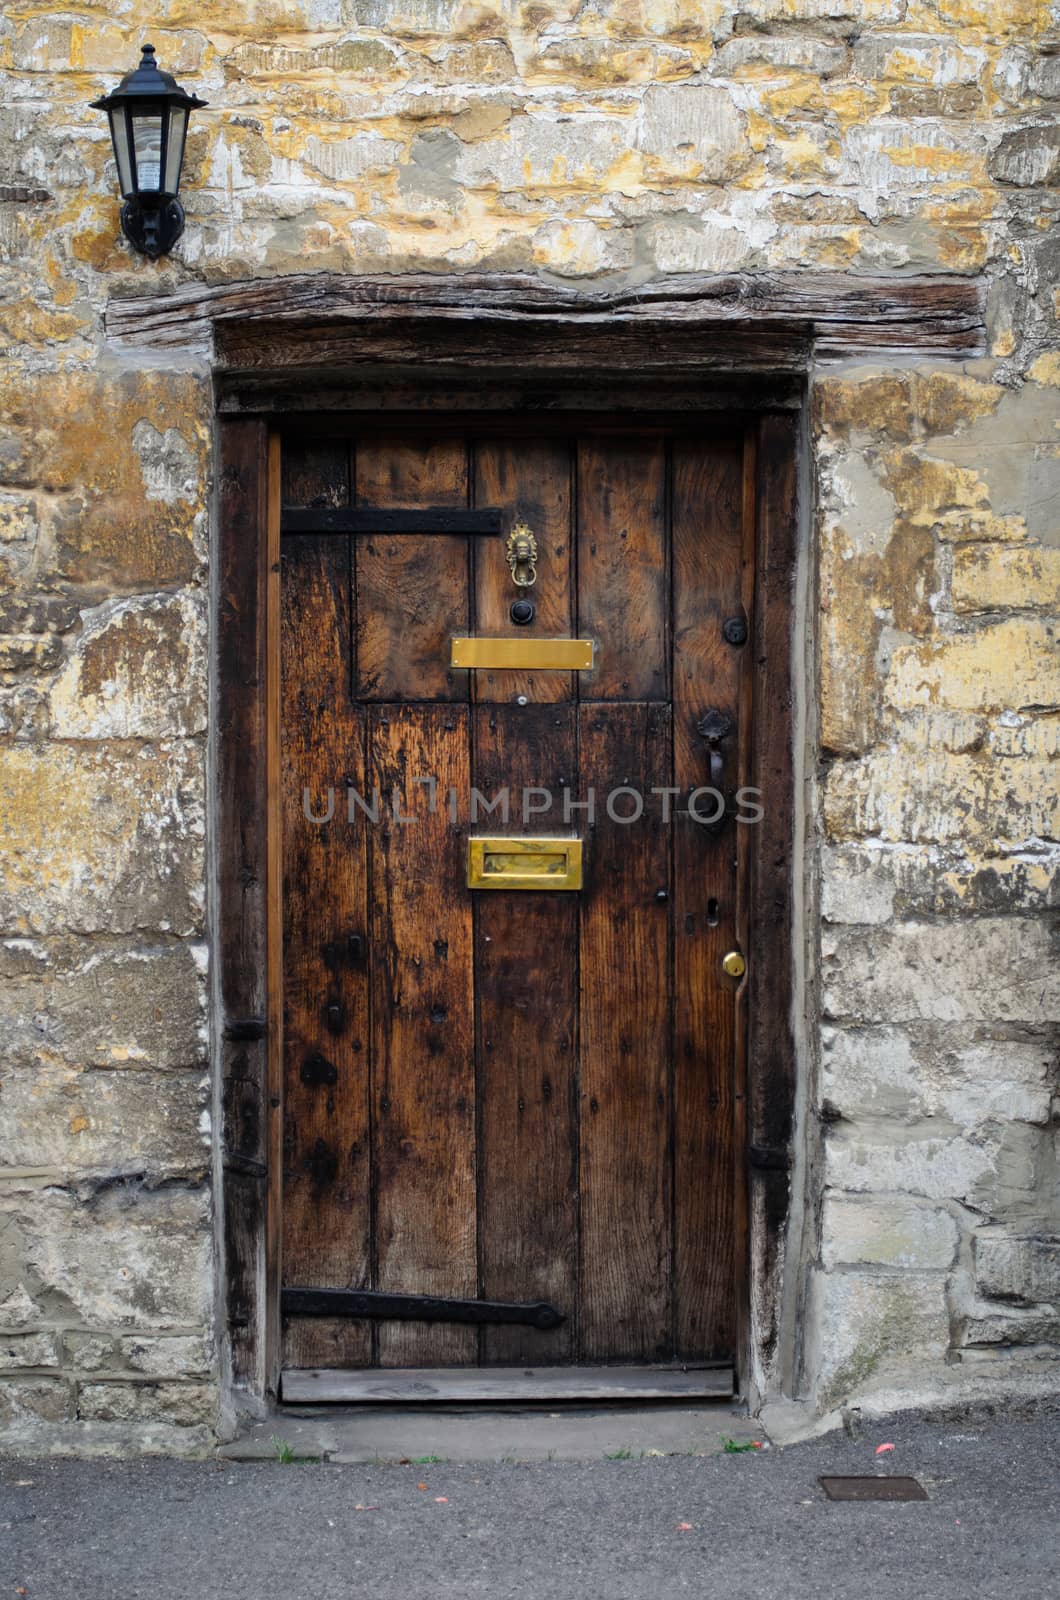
{"type": "Point", "coordinates": [249, 877]}
{"type": "Point", "coordinates": [309, 344]}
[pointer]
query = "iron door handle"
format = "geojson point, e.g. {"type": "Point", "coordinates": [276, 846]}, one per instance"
{"type": "Point", "coordinates": [714, 726]}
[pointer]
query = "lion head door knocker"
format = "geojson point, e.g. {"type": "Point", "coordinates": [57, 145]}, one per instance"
{"type": "Point", "coordinates": [521, 551]}
{"type": "Point", "coordinates": [522, 556]}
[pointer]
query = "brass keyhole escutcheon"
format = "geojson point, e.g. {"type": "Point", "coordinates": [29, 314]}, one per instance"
{"type": "Point", "coordinates": [734, 964]}
{"type": "Point", "coordinates": [521, 551]}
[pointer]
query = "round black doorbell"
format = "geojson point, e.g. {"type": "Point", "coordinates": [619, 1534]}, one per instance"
{"type": "Point", "coordinates": [522, 612]}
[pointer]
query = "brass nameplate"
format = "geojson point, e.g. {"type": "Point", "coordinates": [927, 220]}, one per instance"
{"type": "Point", "coordinates": [525, 655]}
{"type": "Point", "coordinates": [524, 863]}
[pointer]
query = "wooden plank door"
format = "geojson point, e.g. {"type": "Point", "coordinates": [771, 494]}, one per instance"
{"type": "Point", "coordinates": [508, 1095]}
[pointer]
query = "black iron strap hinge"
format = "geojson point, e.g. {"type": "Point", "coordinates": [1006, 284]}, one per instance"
{"type": "Point", "coordinates": [364, 519]}
{"type": "Point", "coordinates": [415, 1307]}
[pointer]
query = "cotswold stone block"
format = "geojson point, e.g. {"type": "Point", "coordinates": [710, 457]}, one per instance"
{"type": "Point", "coordinates": [918, 1160]}
{"type": "Point", "coordinates": [1017, 1269]}
{"type": "Point", "coordinates": [1012, 1325]}
{"type": "Point", "coordinates": [878, 402]}
{"type": "Point", "coordinates": [126, 462]}
{"type": "Point", "coordinates": [888, 1232]}
{"type": "Point", "coordinates": [75, 1122]}
{"type": "Point", "coordinates": [948, 402]}
{"type": "Point", "coordinates": [928, 1070]}
{"type": "Point", "coordinates": [785, 52]}
{"type": "Point", "coordinates": [951, 500]}
{"type": "Point", "coordinates": [890, 154]}
{"type": "Point", "coordinates": [687, 245]}
{"type": "Point", "coordinates": [1011, 665]}
{"type": "Point", "coordinates": [1012, 450]}
{"type": "Point", "coordinates": [18, 1310]}
{"type": "Point", "coordinates": [870, 1330]}
{"type": "Point", "coordinates": [547, 151]}
{"type": "Point", "coordinates": [119, 1256]}
{"type": "Point", "coordinates": [28, 1350]}
{"type": "Point", "coordinates": [124, 1006]}
{"type": "Point", "coordinates": [786, 11]}
{"type": "Point", "coordinates": [184, 1404]}
{"type": "Point", "coordinates": [856, 887]}
{"type": "Point", "coordinates": [1027, 157]}
{"type": "Point", "coordinates": [34, 1400]}
{"type": "Point", "coordinates": [601, 61]}
{"type": "Point", "coordinates": [988, 968]}
{"type": "Point", "coordinates": [869, 882]}
{"type": "Point", "coordinates": [88, 1352]}
{"type": "Point", "coordinates": [104, 838]}
{"type": "Point", "coordinates": [999, 578]}
{"type": "Point", "coordinates": [939, 798]}
{"type": "Point", "coordinates": [693, 130]}
{"type": "Point", "coordinates": [138, 671]}
{"type": "Point", "coordinates": [172, 1356]}
{"type": "Point", "coordinates": [356, 59]}
{"type": "Point", "coordinates": [917, 58]}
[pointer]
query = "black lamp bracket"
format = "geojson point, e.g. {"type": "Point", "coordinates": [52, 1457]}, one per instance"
{"type": "Point", "coordinates": [153, 230]}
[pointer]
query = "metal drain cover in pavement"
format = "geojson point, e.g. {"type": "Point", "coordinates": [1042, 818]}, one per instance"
{"type": "Point", "coordinates": [893, 1488]}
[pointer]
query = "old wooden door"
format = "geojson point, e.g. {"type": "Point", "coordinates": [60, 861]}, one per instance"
{"type": "Point", "coordinates": [510, 1095]}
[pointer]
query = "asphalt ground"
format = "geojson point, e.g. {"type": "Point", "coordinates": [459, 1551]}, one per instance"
{"type": "Point", "coordinates": [752, 1524]}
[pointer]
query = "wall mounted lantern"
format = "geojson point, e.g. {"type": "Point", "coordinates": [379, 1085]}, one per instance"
{"type": "Point", "coordinates": [148, 114]}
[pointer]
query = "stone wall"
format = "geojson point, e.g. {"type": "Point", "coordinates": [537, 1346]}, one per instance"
{"type": "Point", "coordinates": [612, 140]}
{"type": "Point", "coordinates": [940, 986]}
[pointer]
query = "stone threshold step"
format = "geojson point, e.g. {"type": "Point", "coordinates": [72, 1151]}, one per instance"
{"type": "Point", "coordinates": [418, 1437]}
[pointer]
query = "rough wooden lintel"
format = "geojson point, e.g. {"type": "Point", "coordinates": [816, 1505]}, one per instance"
{"type": "Point", "coordinates": [700, 321]}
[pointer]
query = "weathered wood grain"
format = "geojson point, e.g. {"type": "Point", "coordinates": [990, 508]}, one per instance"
{"type": "Point", "coordinates": [771, 1066]}
{"type": "Point", "coordinates": [510, 349]}
{"type": "Point", "coordinates": [242, 885]}
{"type": "Point", "coordinates": [422, 1028]}
{"type": "Point", "coordinates": [623, 578]}
{"type": "Point", "coordinates": [707, 518]}
{"type": "Point", "coordinates": [590, 1385]}
{"type": "Point", "coordinates": [841, 311]}
{"type": "Point", "coordinates": [274, 976]}
{"type": "Point", "coordinates": [315, 472]}
{"type": "Point", "coordinates": [530, 480]}
{"type": "Point", "coordinates": [411, 594]}
{"type": "Point", "coordinates": [327, 1031]}
{"type": "Point", "coordinates": [625, 1187]}
{"type": "Point", "coordinates": [299, 396]}
{"type": "Point", "coordinates": [526, 966]}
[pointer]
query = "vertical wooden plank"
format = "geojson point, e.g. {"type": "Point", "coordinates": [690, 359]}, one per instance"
{"type": "Point", "coordinates": [625, 1093]}
{"type": "Point", "coordinates": [708, 550]}
{"type": "Point", "coordinates": [241, 884]}
{"type": "Point", "coordinates": [315, 472]}
{"type": "Point", "coordinates": [327, 1021]}
{"type": "Point", "coordinates": [412, 593]}
{"type": "Point", "coordinates": [530, 481]}
{"type": "Point", "coordinates": [771, 1089]}
{"type": "Point", "coordinates": [274, 914]}
{"type": "Point", "coordinates": [744, 857]}
{"type": "Point", "coordinates": [423, 1028]}
{"type": "Point", "coordinates": [622, 575]}
{"type": "Point", "coordinates": [526, 966]}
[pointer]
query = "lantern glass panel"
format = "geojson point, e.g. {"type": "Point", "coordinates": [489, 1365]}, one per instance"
{"type": "Point", "coordinates": [119, 131]}
{"type": "Point", "coordinates": [147, 143]}
{"type": "Point", "coordinates": [178, 122]}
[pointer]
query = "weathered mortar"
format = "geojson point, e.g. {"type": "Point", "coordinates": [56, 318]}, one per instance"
{"type": "Point", "coordinates": [634, 139]}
